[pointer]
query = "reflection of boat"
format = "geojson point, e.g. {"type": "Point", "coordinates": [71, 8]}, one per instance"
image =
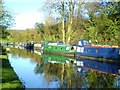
{"type": "Point", "coordinates": [38, 52]}
{"type": "Point", "coordinates": [84, 48]}
{"type": "Point", "coordinates": [107, 68]}
{"type": "Point", "coordinates": [29, 50]}
{"type": "Point", "coordinates": [58, 48]}
{"type": "Point", "coordinates": [56, 59]}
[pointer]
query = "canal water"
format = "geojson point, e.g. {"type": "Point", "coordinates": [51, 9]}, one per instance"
{"type": "Point", "coordinates": [36, 70]}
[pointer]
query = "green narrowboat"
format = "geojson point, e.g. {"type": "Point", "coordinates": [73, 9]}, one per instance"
{"type": "Point", "coordinates": [59, 49]}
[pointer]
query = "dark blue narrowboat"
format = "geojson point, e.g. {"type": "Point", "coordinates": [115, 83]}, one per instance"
{"type": "Point", "coordinates": [29, 45]}
{"type": "Point", "coordinates": [84, 48]}
{"type": "Point", "coordinates": [102, 67]}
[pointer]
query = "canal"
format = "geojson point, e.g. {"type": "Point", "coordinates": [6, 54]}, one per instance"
{"type": "Point", "coordinates": [36, 70]}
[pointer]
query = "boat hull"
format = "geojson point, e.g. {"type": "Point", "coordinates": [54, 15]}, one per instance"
{"type": "Point", "coordinates": [99, 52]}
{"type": "Point", "coordinates": [67, 54]}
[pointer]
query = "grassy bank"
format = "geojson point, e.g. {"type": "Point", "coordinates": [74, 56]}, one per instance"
{"type": "Point", "coordinates": [9, 77]}
{"type": "Point", "coordinates": [7, 40]}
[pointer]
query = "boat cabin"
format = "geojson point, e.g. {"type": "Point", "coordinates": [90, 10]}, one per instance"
{"type": "Point", "coordinates": [47, 42]}
{"type": "Point", "coordinates": [83, 43]}
{"type": "Point", "coordinates": [59, 42]}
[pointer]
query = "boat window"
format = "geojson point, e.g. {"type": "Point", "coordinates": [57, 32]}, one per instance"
{"type": "Point", "coordinates": [88, 64]}
{"type": "Point", "coordinates": [60, 42]}
{"type": "Point", "coordinates": [86, 43]}
{"type": "Point", "coordinates": [61, 48]}
{"type": "Point", "coordinates": [96, 66]}
{"type": "Point", "coordinates": [55, 47]}
{"type": "Point", "coordinates": [67, 48]}
{"type": "Point", "coordinates": [88, 50]}
{"type": "Point", "coordinates": [80, 43]}
{"type": "Point", "coordinates": [49, 46]}
{"type": "Point", "coordinates": [96, 51]}
{"type": "Point", "coordinates": [72, 48]}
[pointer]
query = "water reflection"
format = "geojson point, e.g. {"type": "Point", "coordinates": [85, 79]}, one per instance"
{"type": "Point", "coordinates": [56, 69]}
{"type": "Point", "coordinates": [50, 71]}
{"type": "Point", "coordinates": [99, 74]}
{"type": "Point", "coordinates": [26, 54]}
{"type": "Point", "coordinates": [103, 67]}
{"type": "Point", "coordinates": [56, 59]}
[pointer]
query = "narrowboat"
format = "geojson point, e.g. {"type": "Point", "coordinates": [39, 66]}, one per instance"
{"type": "Point", "coordinates": [29, 45]}
{"type": "Point", "coordinates": [48, 58]}
{"type": "Point", "coordinates": [38, 46]}
{"type": "Point", "coordinates": [58, 48]}
{"type": "Point", "coordinates": [84, 48]}
{"type": "Point", "coordinates": [102, 67]}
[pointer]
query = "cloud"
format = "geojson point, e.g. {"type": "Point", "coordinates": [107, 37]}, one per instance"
{"type": "Point", "coordinates": [24, 21]}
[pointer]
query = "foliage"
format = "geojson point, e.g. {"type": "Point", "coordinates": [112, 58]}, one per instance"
{"type": "Point", "coordinates": [40, 29]}
{"type": "Point", "coordinates": [26, 35]}
{"type": "Point", "coordinates": [3, 57]}
{"type": "Point", "coordinates": [101, 22]}
{"type": "Point", "coordinates": [49, 30]}
{"type": "Point", "coordinates": [104, 27]}
{"type": "Point", "coordinates": [6, 20]}
{"type": "Point", "coordinates": [5, 33]}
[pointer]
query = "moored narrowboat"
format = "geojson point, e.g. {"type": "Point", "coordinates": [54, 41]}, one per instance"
{"type": "Point", "coordinates": [59, 49]}
{"type": "Point", "coordinates": [84, 48]}
{"type": "Point", "coordinates": [29, 45]}
{"type": "Point", "coordinates": [38, 46]}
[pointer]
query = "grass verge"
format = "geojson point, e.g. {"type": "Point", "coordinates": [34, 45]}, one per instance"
{"type": "Point", "coordinates": [9, 77]}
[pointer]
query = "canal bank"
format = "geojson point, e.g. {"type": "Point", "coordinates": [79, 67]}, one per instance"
{"type": "Point", "coordinates": [9, 78]}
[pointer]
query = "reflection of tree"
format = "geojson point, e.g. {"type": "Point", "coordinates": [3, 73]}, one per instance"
{"type": "Point", "coordinates": [67, 75]}
{"type": "Point", "coordinates": [52, 71]}
{"type": "Point", "coordinates": [69, 78]}
{"type": "Point", "coordinates": [99, 80]}
{"type": "Point", "coordinates": [72, 79]}
{"type": "Point", "coordinates": [25, 54]}
{"type": "Point", "coordinates": [39, 68]}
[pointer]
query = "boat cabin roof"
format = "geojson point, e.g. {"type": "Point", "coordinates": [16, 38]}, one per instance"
{"type": "Point", "coordinates": [83, 42]}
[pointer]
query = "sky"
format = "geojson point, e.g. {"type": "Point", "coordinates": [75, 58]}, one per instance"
{"type": "Point", "coordinates": [26, 12]}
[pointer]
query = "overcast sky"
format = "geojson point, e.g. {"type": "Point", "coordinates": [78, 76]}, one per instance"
{"type": "Point", "coordinates": [27, 12]}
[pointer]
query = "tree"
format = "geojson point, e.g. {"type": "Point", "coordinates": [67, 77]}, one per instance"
{"type": "Point", "coordinates": [94, 20]}
{"type": "Point", "coordinates": [56, 8]}
{"type": "Point", "coordinates": [63, 22]}
{"type": "Point", "coordinates": [6, 20]}
{"type": "Point", "coordinates": [65, 10]}
{"type": "Point", "coordinates": [71, 5]}
{"type": "Point", "coordinates": [40, 28]}
{"type": "Point", "coordinates": [103, 24]}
